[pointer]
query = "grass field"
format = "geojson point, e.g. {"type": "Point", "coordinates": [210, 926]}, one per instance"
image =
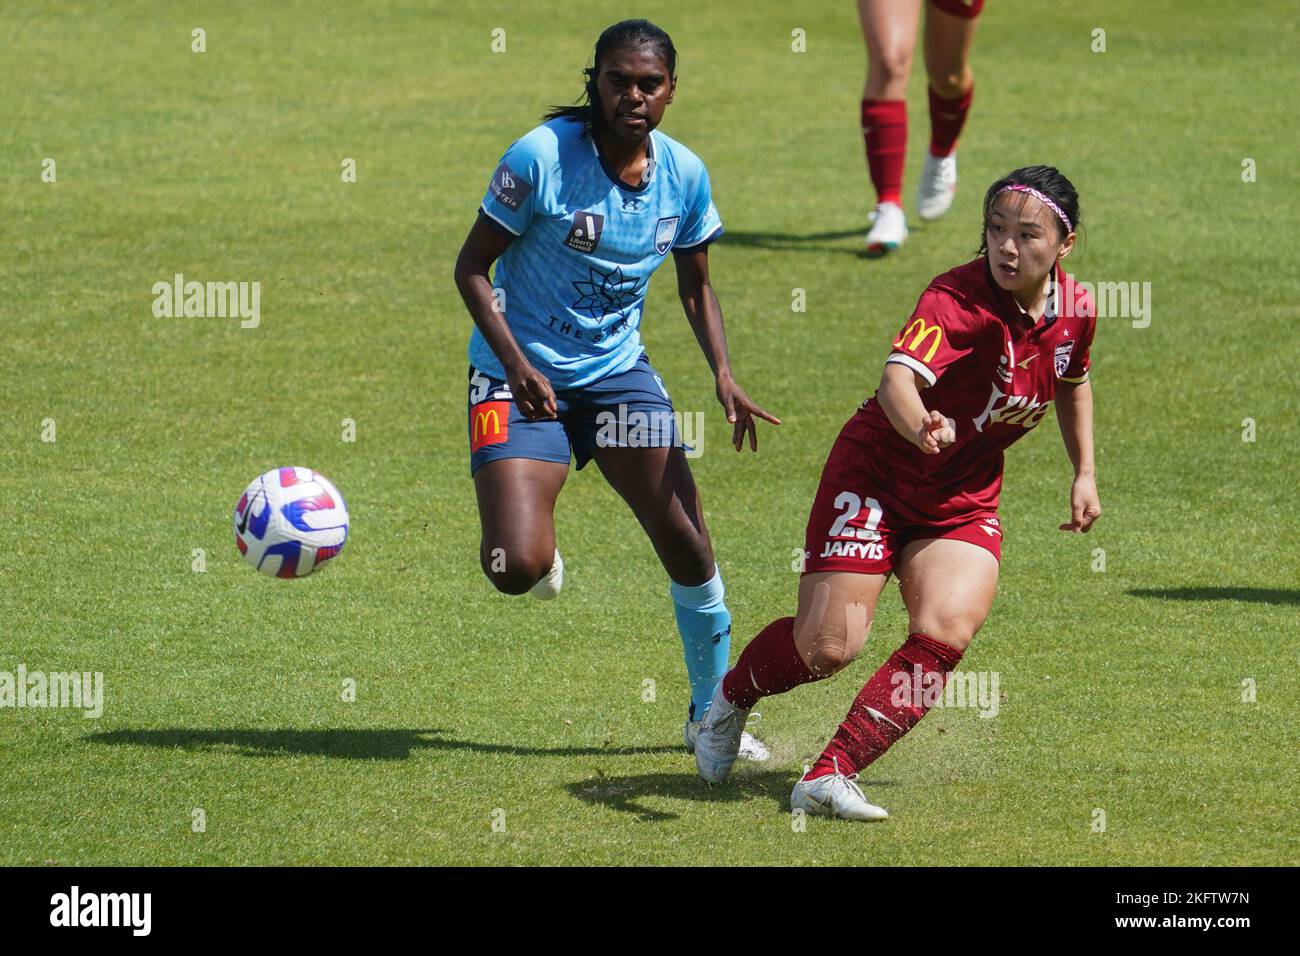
{"type": "Point", "coordinates": [223, 689]}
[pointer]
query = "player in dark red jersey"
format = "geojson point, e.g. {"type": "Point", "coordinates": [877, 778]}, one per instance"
{"type": "Point", "coordinates": [911, 488]}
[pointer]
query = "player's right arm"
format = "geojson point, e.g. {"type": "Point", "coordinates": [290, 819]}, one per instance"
{"type": "Point", "coordinates": [483, 246]}
{"type": "Point", "coordinates": [922, 352]}
{"type": "Point", "coordinates": [505, 214]}
{"type": "Point", "coordinates": [900, 399]}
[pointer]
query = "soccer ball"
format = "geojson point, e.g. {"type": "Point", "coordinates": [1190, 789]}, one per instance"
{"type": "Point", "coordinates": [289, 522]}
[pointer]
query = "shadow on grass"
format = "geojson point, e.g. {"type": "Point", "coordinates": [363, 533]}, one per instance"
{"type": "Point", "coordinates": [794, 242]}
{"type": "Point", "coordinates": [1252, 595]}
{"type": "Point", "coordinates": [345, 744]}
{"type": "Point", "coordinates": [626, 793]}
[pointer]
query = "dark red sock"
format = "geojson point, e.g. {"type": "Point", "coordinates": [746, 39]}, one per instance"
{"type": "Point", "coordinates": [947, 117]}
{"type": "Point", "coordinates": [884, 130]}
{"type": "Point", "coordinates": [862, 738]}
{"type": "Point", "coordinates": [769, 664]}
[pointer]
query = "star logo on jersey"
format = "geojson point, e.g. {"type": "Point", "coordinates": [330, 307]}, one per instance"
{"type": "Point", "coordinates": [605, 292]}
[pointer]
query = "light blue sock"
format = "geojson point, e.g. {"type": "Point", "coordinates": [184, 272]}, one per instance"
{"type": "Point", "coordinates": [705, 625]}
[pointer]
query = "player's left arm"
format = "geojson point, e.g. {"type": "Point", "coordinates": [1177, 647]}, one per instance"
{"type": "Point", "coordinates": [1074, 414]}
{"type": "Point", "coordinates": [705, 316]}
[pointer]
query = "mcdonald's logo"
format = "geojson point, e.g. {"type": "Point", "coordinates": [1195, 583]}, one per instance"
{"type": "Point", "coordinates": [489, 424]}
{"type": "Point", "coordinates": [922, 333]}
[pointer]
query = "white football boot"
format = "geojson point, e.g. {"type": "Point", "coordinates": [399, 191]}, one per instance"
{"type": "Point", "coordinates": [549, 586]}
{"type": "Point", "coordinates": [835, 795]}
{"type": "Point", "coordinates": [751, 748]}
{"type": "Point", "coordinates": [717, 742]}
{"type": "Point", "coordinates": [938, 186]}
{"type": "Point", "coordinates": [888, 230]}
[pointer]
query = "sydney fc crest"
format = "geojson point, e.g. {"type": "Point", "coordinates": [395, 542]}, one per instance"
{"type": "Point", "coordinates": [665, 233]}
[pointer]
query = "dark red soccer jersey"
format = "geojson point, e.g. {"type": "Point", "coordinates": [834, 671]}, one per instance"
{"type": "Point", "coordinates": [991, 369]}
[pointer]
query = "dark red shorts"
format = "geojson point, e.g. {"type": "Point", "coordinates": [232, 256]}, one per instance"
{"type": "Point", "coordinates": [857, 523]}
{"type": "Point", "coordinates": [968, 9]}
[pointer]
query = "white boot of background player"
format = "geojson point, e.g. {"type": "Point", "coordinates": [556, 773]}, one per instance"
{"type": "Point", "coordinates": [549, 586]}
{"type": "Point", "coordinates": [888, 229]}
{"type": "Point", "coordinates": [938, 186]}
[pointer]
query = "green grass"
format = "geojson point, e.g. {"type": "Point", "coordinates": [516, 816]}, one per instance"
{"type": "Point", "coordinates": [223, 688]}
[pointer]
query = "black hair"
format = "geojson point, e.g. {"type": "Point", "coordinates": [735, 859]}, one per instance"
{"type": "Point", "coordinates": [1049, 181]}
{"type": "Point", "coordinates": [626, 33]}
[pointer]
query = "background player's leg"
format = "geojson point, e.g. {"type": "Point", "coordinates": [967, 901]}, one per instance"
{"type": "Point", "coordinates": [516, 507]}
{"type": "Point", "coordinates": [889, 27]}
{"type": "Point", "coordinates": [828, 631]}
{"type": "Point", "coordinates": [947, 53]}
{"type": "Point", "coordinates": [658, 487]}
{"type": "Point", "coordinates": [951, 88]}
{"type": "Point", "coordinates": [948, 587]}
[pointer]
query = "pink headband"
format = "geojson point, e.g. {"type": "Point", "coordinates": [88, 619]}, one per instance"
{"type": "Point", "coordinates": [1060, 213]}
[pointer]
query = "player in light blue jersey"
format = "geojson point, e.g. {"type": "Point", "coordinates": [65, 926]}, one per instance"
{"type": "Point", "coordinates": [578, 215]}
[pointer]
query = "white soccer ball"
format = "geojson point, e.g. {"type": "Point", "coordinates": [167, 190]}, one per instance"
{"type": "Point", "coordinates": [289, 522]}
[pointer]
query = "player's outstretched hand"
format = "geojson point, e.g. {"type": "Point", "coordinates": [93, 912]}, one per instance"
{"type": "Point", "coordinates": [532, 391]}
{"type": "Point", "coordinates": [1085, 505]}
{"type": "Point", "coordinates": [741, 411]}
{"type": "Point", "coordinates": [937, 432]}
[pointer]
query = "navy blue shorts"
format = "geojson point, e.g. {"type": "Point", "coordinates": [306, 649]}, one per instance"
{"type": "Point", "coordinates": [628, 410]}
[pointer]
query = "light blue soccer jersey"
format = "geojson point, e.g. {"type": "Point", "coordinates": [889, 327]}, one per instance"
{"type": "Point", "coordinates": [574, 279]}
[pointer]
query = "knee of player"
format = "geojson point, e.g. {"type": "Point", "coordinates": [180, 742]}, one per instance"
{"type": "Point", "coordinates": [950, 84]}
{"type": "Point", "coordinates": [891, 66]}
{"type": "Point", "coordinates": [827, 657]}
{"type": "Point", "coordinates": [956, 631]}
{"type": "Point", "coordinates": [832, 650]}
{"type": "Point", "coordinates": [830, 636]}
{"type": "Point", "coordinates": [513, 575]}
